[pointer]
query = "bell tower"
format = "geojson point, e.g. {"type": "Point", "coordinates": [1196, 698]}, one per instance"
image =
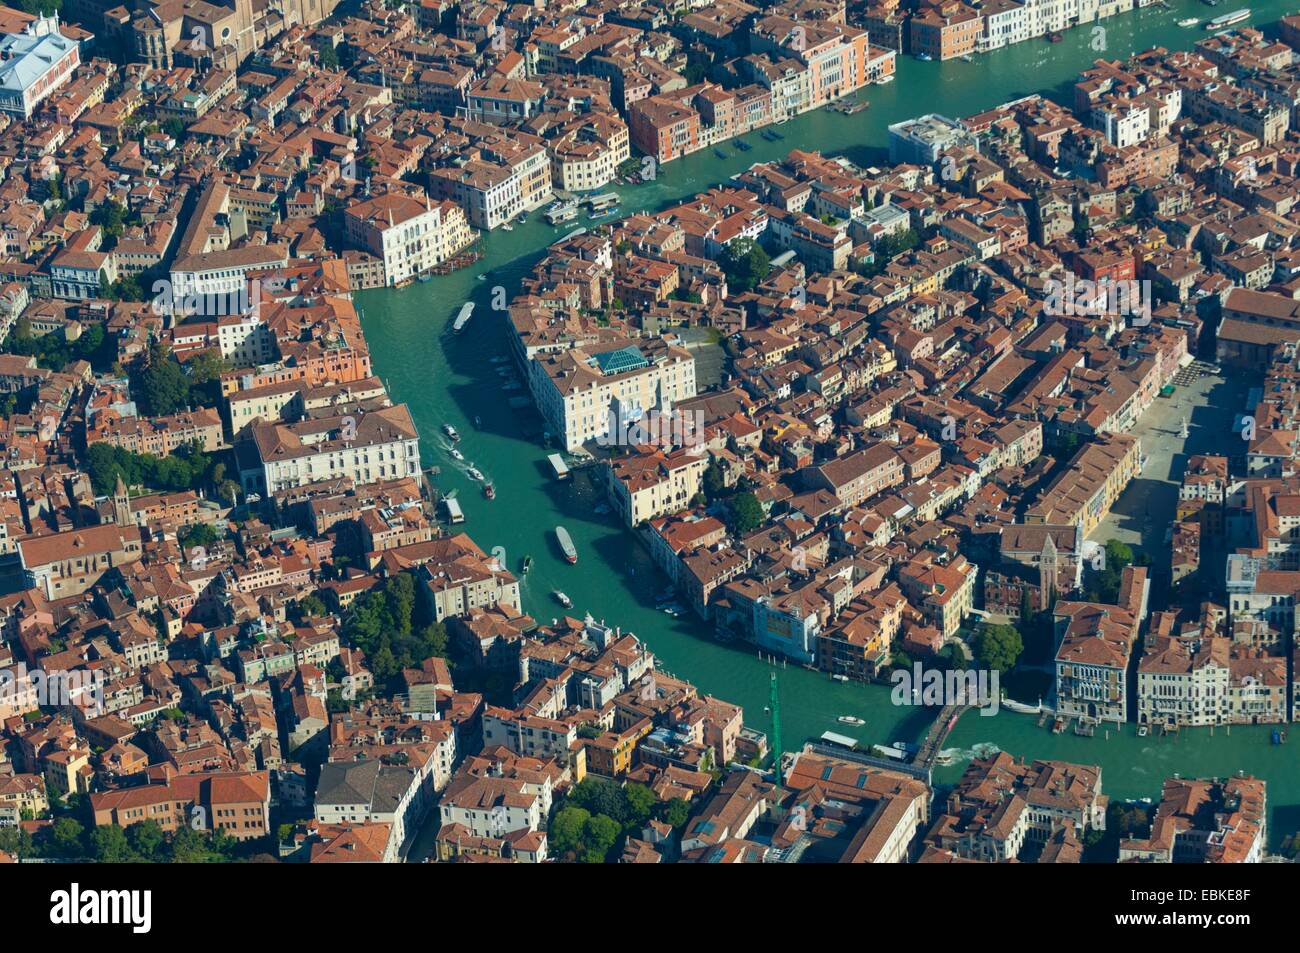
{"type": "Point", "coordinates": [121, 504]}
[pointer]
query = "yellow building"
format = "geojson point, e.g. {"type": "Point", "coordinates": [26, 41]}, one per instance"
{"type": "Point", "coordinates": [1089, 486]}
{"type": "Point", "coordinates": [613, 754]}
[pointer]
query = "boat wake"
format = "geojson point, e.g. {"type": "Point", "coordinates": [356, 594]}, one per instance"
{"type": "Point", "coordinates": [985, 749]}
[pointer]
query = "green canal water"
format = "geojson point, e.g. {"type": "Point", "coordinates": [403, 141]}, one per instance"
{"type": "Point", "coordinates": [451, 379]}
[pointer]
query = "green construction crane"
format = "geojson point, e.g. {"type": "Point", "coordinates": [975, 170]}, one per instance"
{"type": "Point", "coordinates": [774, 704]}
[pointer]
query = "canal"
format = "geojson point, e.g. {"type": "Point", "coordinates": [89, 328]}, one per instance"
{"type": "Point", "coordinates": [449, 378]}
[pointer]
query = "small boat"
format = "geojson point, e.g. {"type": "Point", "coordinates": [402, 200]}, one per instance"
{"type": "Point", "coordinates": [425, 277]}
{"type": "Point", "coordinates": [850, 720]}
{"type": "Point", "coordinates": [566, 544]}
{"type": "Point", "coordinates": [742, 145]}
{"type": "Point", "coordinates": [489, 491]}
{"type": "Point", "coordinates": [562, 599]}
{"type": "Point", "coordinates": [462, 319]}
{"type": "Point", "coordinates": [478, 421]}
{"type": "Point", "coordinates": [455, 454]}
{"type": "Point", "coordinates": [1190, 21]}
{"type": "Point", "coordinates": [450, 431]}
{"type": "Point", "coordinates": [1142, 731]}
{"type": "Point", "coordinates": [840, 678]}
{"type": "Point", "coordinates": [482, 278]}
{"type": "Point", "coordinates": [721, 153]}
{"type": "Point", "coordinates": [474, 474]}
{"type": "Point", "coordinates": [924, 57]}
{"type": "Point", "coordinates": [782, 121]}
{"type": "Point", "coordinates": [967, 58]}
{"type": "Point", "coordinates": [527, 565]}
{"type": "Point", "coordinates": [1055, 37]}
{"type": "Point", "coordinates": [507, 227]}
{"type": "Point", "coordinates": [769, 135]}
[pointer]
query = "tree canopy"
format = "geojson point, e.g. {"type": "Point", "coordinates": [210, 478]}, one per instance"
{"type": "Point", "coordinates": [164, 387]}
{"type": "Point", "coordinates": [745, 264]}
{"type": "Point", "coordinates": [188, 468]}
{"type": "Point", "coordinates": [387, 625]}
{"type": "Point", "coordinates": [744, 513]}
{"type": "Point", "coordinates": [998, 646]}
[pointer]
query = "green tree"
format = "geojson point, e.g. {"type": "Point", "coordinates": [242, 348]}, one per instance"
{"type": "Point", "coordinates": [715, 486]}
{"type": "Point", "coordinates": [600, 796]}
{"type": "Point", "coordinates": [565, 832]}
{"type": "Point", "coordinates": [110, 216]}
{"type": "Point", "coordinates": [953, 658]}
{"type": "Point", "coordinates": [109, 845]}
{"type": "Point", "coordinates": [311, 606]}
{"type": "Point", "coordinates": [200, 534]}
{"type": "Point", "coordinates": [998, 646]}
{"type": "Point", "coordinates": [205, 370]}
{"type": "Point", "coordinates": [745, 264]}
{"type": "Point", "coordinates": [65, 838]}
{"type": "Point", "coordinates": [599, 835]}
{"type": "Point", "coordinates": [164, 388]}
{"type": "Point", "coordinates": [744, 513]}
{"type": "Point", "coordinates": [16, 841]}
{"type": "Point", "coordinates": [38, 7]}
{"type": "Point", "coordinates": [675, 813]}
{"type": "Point", "coordinates": [1026, 610]}
{"type": "Point", "coordinates": [385, 624]}
{"type": "Point", "coordinates": [146, 838]}
{"type": "Point", "coordinates": [1103, 575]}
{"type": "Point", "coordinates": [641, 802]}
